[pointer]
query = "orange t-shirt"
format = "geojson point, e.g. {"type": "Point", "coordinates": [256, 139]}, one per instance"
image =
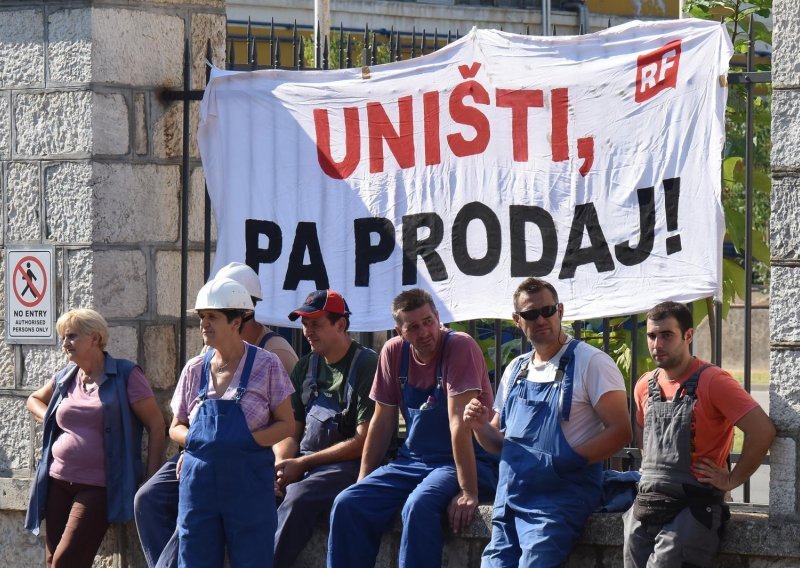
{"type": "Point", "coordinates": [721, 403]}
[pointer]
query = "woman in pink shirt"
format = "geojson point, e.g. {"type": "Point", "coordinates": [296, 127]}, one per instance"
{"type": "Point", "coordinates": [232, 403]}
{"type": "Point", "coordinates": [93, 411]}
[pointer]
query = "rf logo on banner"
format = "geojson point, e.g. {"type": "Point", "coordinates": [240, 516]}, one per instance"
{"type": "Point", "coordinates": [29, 300]}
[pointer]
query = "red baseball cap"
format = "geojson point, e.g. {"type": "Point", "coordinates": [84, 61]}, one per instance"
{"type": "Point", "coordinates": [319, 303]}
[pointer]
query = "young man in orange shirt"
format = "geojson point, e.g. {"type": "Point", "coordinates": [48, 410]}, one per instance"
{"type": "Point", "coordinates": [685, 413]}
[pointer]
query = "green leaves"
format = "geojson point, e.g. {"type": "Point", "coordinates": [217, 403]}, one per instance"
{"type": "Point", "coordinates": [484, 336]}
{"type": "Point", "coordinates": [760, 30]}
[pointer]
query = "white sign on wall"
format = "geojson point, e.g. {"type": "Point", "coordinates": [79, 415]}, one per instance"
{"type": "Point", "coordinates": [591, 161]}
{"type": "Point", "coordinates": [30, 303]}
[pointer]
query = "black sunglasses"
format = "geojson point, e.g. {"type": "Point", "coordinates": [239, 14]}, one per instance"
{"type": "Point", "coordinates": [545, 311]}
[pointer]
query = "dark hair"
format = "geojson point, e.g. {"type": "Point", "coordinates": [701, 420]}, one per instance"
{"type": "Point", "coordinates": [333, 318]}
{"type": "Point", "coordinates": [231, 315]}
{"type": "Point", "coordinates": [680, 312]}
{"type": "Point", "coordinates": [533, 285]}
{"type": "Point", "coordinates": [412, 300]}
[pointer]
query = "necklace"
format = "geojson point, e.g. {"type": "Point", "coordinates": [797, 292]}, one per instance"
{"type": "Point", "coordinates": [232, 362]}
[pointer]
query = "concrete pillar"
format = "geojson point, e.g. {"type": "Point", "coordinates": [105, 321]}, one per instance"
{"type": "Point", "coordinates": [785, 269]}
{"type": "Point", "coordinates": [90, 162]}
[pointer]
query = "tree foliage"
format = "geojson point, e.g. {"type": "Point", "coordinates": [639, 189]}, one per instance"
{"type": "Point", "coordinates": [738, 17]}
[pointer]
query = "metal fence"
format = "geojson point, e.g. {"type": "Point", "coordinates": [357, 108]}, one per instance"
{"type": "Point", "coordinates": [252, 46]}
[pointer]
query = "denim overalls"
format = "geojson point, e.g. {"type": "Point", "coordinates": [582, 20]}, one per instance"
{"type": "Point", "coordinates": [422, 480]}
{"type": "Point", "coordinates": [226, 485]}
{"type": "Point", "coordinates": [546, 490]}
{"type": "Point", "coordinates": [312, 496]}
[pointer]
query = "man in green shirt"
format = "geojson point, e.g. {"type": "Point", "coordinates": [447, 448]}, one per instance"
{"type": "Point", "coordinates": [332, 411]}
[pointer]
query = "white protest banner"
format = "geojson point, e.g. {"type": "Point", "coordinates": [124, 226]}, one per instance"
{"type": "Point", "coordinates": [591, 161]}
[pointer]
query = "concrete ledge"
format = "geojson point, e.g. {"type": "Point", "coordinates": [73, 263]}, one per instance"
{"type": "Point", "coordinates": [14, 493]}
{"type": "Point", "coordinates": [750, 534]}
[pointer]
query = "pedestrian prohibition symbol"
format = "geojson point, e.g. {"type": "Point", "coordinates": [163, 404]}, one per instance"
{"type": "Point", "coordinates": [36, 285]}
{"type": "Point", "coordinates": [29, 301]}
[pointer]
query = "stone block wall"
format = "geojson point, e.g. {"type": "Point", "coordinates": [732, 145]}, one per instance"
{"type": "Point", "coordinates": [785, 269]}
{"type": "Point", "coordinates": [90, 162]}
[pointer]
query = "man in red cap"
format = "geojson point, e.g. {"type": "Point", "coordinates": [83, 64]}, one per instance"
{"type": "Point", "coordinates": [332, 411]}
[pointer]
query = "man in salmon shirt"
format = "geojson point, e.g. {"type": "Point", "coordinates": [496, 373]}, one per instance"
{"type": "Point", "coordinates": [685, 413]}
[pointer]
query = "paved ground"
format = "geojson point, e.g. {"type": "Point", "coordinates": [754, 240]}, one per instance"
{"type": "Point", "coordinates": [759, 483]}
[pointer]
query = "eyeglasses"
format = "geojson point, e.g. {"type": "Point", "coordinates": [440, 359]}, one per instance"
{"type": "Point", "coordinates": [544, 311]}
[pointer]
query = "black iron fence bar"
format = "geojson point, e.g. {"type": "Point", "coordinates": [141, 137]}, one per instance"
{"type": "Point", "coordinates": [310, 29]}
{"type": "Point", "coordinates": [298, 55]}
{"type": "Point", "coordinates": [749, 77]}
{"type": "Point", "coordinates": [748, 230]}
{"type": "Point", "coordinates": [715, 324]}
{"type": "Point", "coordinates": [206, 197]}
{"type": "Point", "coordinates": [498, 353]}
{"type": "Point", "coordinates": [182, 95]}
{"type": "Point", "coordinates": [294, 41]}
{"type": "Point", "coordinates": [370, 55]}
{"type": "Point", "coordinates": [374, 51]}
{"type": "Point", "coordinates": [634, 374]}
{"type": "Point", "coordinates": [185, 184]}
{"type": "Point", "coordinates": [251, 46]}
{"type": "Point", "coordinates": [341, 44]}
{"type": "Point", "coordinates": [277, 57]}
{"type": "Point", "coordinates": [748, 257]}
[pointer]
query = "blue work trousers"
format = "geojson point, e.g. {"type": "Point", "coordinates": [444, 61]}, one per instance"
{"type": "Point", "coordinates": [365, 510]}
{"type": "Point", "coordinates": [156, 513]}
{"type": "Point", "coordinates": [306, 500]}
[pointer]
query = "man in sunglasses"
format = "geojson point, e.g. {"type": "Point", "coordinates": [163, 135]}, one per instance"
{"type": "Point", "coordinates": [560, 411]}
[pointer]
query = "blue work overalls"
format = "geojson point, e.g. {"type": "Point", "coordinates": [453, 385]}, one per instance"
{"type": "Point", "coordinates": [226, 486]}
{"type": "Point", "coordinates": [327, 424]}
{"type": "Point", "coordinates": [422, 480]}
{"type": "Point", "coordinates": [546, 490]}
{"type": "Point", "coordinates": [156, 509]}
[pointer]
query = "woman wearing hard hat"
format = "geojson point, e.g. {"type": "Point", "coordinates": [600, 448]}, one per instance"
{"type": "Point", "coordinates": [230, 406]}
{"type": "Point", "coordinates": [156, 505]}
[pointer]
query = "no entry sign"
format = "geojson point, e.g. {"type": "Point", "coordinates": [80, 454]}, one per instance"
{"type": "Point", "coordinates": [30, 306]}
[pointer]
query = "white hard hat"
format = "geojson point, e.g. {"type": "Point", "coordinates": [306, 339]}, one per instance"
{"type": "Point", "coordinates": [223, 294]}
{"type": "Point", "coordinates": [244, 275]}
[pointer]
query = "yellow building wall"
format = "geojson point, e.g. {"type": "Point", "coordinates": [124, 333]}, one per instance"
{"type": "Point", "coordinates": [636, 8]}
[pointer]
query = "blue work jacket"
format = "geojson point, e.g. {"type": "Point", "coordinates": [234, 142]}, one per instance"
{"type": "Point", "coordinates": [122, 443]}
